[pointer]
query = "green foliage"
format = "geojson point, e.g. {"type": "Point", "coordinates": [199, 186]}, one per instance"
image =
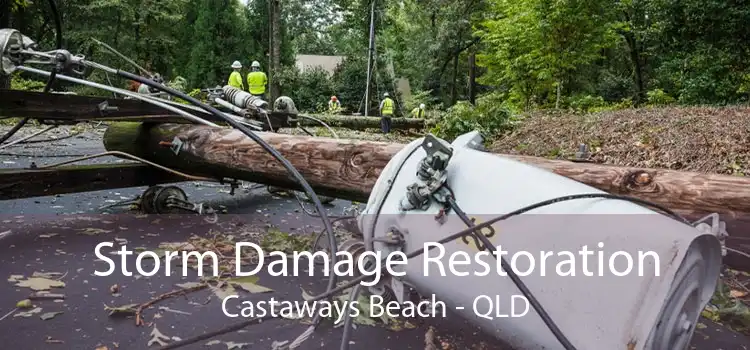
{"type": "Point", "coordinates": [490, 116]}
{"type": "Point", "coordinates": [586, 103]}
{"type": "Point", "coordinates": [19, 83]}
{"type": "Point", "coordinates": [310, 89]}
{"type": "Point", "coordinates": [658, 97]}
{"type": "Point", "coordinates": [420, 96]}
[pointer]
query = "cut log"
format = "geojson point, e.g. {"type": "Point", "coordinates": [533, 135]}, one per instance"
{"type": "Point", "coordinates": [362, 123]}
{"type": "Point", "coordinates": [348, 169]}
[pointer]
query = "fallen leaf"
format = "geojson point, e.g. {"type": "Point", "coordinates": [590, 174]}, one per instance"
{"type": "Point", "coordinates": [90, 231]}
{"type": "Point", "coordinates": [40, 283]}
{"type": "Point", "coordinates": [48, 235]}
{"type": "Point", "coordinates": [232, 345]}
{"type": "Point", "coordinates": [28, 313]}
{"type": "Point", "coordinates": [189, 285]}
{"type": "Point", "coordinates": [50, 340]}
{"type": "Point", "coordinates": [103, 347]}
{"type": "Point", "coordinates": [15, 278]}
{"type": "Point", "coordinates": [157, 337]}
{"type": "Point", "coordinates": [737, 293]}
{"type": "Point", "coordinates": [700, 326]}
{"type": "Point", "coordinates": [114, 289]}
{"type": "Point", "coordinates": [49, 315]}
{"type": "Point", "coordinates": [223, 291]}
{"type": "Point", "coordinates": [305, 295]}
{"type": "Point", "coordinates": [24, 304]}
{"type": "Point", "coordinates": [248, 284]}
{"type": "Point", "coordinates": [52, 275]}
{"type": "Point", "coordinates": [213, 342]}
{"type": "Point", "coordinates": [175, 246]}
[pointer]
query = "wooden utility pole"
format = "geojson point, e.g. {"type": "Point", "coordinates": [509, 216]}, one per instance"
{"type": "Point", "coordinates": [353, 166]}
{"type": "Point", "coordinates": [348, 169]}
{"type": "Point", "coordinates": [274, 62]}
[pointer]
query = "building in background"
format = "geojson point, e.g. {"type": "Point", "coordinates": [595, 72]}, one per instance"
{"type": "Point", "coordinates": [327, 63]}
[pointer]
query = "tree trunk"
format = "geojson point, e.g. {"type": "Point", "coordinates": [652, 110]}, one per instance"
{"type": "Point", "coordinates": [454, 88]}
{"type": "Point", "coordinates": [472, 77]}
{"type": "Point", "coordinates": [348, 169]}
{"type": "Point", "coordinates": [362, 123]}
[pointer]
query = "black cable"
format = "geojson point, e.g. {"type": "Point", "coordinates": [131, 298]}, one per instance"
{"type": "Point", "coordinates": [204, 336]}
{"type": "Point", "coordinates": [275, 153]}
{"type": "Point", "coordinates": [58, 24]}
{"type": "Point", "coordinates": [564, 341]}
{"type": "Point", "coordinates": [14, 130]}
{"type": "Point", "coordinates": [465, 232]}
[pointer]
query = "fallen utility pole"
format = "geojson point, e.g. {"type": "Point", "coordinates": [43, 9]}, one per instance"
{"type": "Point", "coordinates": [362, 123]}
{"type": "Point", "coordinates": [348, 169]}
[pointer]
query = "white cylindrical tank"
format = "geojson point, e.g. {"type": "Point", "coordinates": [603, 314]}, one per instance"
{"type": "Point", "coordinates": [603, 311]}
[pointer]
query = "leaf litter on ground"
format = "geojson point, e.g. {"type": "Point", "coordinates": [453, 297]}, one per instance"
{"type": "Point", "coordinates": [157, 338]}
{"type": "Point", "coordinates": [49, 315]}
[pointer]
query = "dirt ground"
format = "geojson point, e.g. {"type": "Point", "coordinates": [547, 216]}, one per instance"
{"type": "Point", "coordinates": [702, 139]}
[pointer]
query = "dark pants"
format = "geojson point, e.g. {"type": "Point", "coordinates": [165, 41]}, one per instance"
{"type": "Point", "coordinates": [385, 124]}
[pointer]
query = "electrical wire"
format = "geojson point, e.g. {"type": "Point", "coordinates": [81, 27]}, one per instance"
{"type": "Point", "coordinates": [336, 136]}
{"type": "Point", "coordinates": [135, 95]}
{"type": "Point", "coordinates": [514, 277]}
{"type": "Point", "coordinates": [468, 231]}
{"type": "Point", "coordinates": [268, 148]}
{"type": "Point", "coordinates": [21, 140]}
{"type": "Point", "coordinates": [130, 156]}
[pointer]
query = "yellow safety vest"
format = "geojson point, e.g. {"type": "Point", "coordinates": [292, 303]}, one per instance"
{"type": "Point", "coordinates": [256, 82]}
{"type": "Point", "coordinates": [417, 113]}
{"type": "Point", "coordinates": [235, 80]}
{"type": "Point", "coordinates": [387, 107]}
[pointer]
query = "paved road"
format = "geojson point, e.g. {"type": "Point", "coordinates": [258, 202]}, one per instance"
{"type": "Point", "coordinates": [44, 235]}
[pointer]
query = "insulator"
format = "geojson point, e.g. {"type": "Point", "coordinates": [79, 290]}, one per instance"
{"type": "Point", "coordinates": [243, 99]}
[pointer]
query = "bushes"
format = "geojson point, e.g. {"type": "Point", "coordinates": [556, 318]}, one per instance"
{"type": "Point", "coordinates": [490, 116]}
{"type": "Point", "coordinates": [658, 97]}
{"type": "Point", "coordinates": [310, 89]}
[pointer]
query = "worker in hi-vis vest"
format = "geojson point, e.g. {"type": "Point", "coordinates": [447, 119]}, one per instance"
{"type": "Point", "coordinates": [386, 112]}
{"type": "Point", "coordinates": [256, 81]}
{"type": "Point", "coordinates": [235, 79]}
{"type": "Point", "coordinates": [418, 112]}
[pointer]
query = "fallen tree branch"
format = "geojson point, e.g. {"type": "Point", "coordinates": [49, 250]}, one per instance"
{"type": "Point", "coordinates": [139, 309]}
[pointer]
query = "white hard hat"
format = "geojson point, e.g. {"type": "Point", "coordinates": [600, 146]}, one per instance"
{"type": "Point", "coordinates": [385, 94]}
{"type": "Point", "coordinates": [421, 106]}
{"type": "Point", "coordinates": [255, 64]}
{"type": "Point", "coordinates": [236, 64]}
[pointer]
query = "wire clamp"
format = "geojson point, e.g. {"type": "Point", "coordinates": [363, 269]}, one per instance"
{"type": "Point", "coordinates": [176, 145]}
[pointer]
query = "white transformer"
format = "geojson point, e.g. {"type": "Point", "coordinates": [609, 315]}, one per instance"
{"type": "Point", "coordinates": [675, 266]}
